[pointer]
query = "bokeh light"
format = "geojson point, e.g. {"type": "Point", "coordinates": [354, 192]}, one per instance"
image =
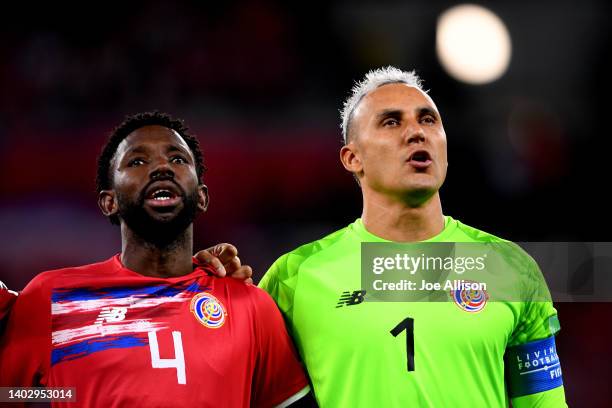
{"type": "Point", "coordinates": [473, 44]}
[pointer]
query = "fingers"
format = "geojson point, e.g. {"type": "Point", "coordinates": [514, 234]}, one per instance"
{"type": "Point", "coordinates": [244, 272]}
{"type": "Point", "coordinates": [207, 256]}
{"type": "Point", "coordinates": [233, 265]}
{"type": "Point", "coordinates": [226, 253]}
{"type": "Point", "coordinates": [224, 258]}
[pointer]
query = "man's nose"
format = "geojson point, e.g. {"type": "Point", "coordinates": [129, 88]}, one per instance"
{"type": "Point", "coordinates": [414, 134]}
{"type": "Point", "coordinates": [162, 171]}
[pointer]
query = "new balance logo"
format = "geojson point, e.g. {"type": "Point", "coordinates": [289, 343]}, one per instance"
{"type": "Point", "coordinates": [111, 315]}
{"type": "Point", "coordinates": [349, 298]}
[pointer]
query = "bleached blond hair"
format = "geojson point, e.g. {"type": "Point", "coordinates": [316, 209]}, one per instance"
{"type": "Point", "coordinates": [374, 79]}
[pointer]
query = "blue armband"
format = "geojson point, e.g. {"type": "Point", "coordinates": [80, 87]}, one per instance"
{"type": "Point", "coordinates": [532, 367]}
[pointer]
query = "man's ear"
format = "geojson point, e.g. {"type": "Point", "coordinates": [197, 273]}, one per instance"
{"type": "Point", "coordinates": [350, 158]}
{"type": "Point", "coordinates": [108, 203]}
{"type": "Point", "coordinates": [203, 198]}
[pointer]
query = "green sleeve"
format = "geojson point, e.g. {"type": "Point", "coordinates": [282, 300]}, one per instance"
{"type": "Point", "coordinates": [279, 281]}
{"type": "Point", "coordinates": [269, 282]}
{"type": "Point", "coordinates": [554, 398]}
{"type": "Point", "coordinates": [538, 320]}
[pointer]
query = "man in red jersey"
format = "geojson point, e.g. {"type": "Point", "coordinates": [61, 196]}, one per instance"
{"type": "Point", "coordinates": [151, 326]}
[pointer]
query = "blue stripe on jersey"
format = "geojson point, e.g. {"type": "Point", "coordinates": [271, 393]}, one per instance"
{"type": "Point", "coordinates": [81, 294]}
{"type": "Point", "coordinates": [532, 367]}
{"type": "Point", "coordinates": [87, 347]}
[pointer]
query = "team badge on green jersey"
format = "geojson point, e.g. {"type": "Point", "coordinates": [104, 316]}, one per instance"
{"type": "Point", "coordinates": [470, 300]}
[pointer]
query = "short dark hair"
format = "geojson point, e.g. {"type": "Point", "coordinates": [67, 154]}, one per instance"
{"type": "Point", "coordinates": [137, 121]}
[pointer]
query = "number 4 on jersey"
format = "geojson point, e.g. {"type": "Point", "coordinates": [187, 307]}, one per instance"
{"type": "Point", "coordinates": [177, 362]}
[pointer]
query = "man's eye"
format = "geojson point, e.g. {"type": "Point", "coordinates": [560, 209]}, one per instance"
{"type": "Point", "coordinates": [135, 162]}
{"type": "Point", "coordinates": [430, 120]}
{"type": "Point", "coordinates": [178, 160]}
{"type": "Point", "coordinates": [391, 122]}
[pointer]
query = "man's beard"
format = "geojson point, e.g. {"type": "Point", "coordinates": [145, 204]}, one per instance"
{"type": "Point", "coordinates": [162, 234]}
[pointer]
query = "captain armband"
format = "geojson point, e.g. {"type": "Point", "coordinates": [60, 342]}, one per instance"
{"type": "Point", "coordinates": [532, 367]}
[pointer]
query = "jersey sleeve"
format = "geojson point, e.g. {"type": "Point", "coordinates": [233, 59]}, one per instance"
{"type": "Point", "coordinates": [279, 281]}
{"type": "Point", "coordinates": [554, 398]}
{"type": "Point", "coordinates": [26, 341]}
{"type": "Point", "coordinates": [533, 369]}
{"type": "Point", "coordinates": [538, 319]}
{"type": "Point", "coordinates": [279, 378]}
{"type": "Point", "coordinates": [271, 282]}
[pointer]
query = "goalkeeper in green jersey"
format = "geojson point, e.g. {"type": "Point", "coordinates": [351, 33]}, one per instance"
{"type": "Point", "coordinates": [401, 354]}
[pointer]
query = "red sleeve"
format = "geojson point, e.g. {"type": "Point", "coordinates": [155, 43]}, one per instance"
{"type": "Point", "coordinates": [279, 375]}
{"type": "Point", "coordinates": [26, 343]}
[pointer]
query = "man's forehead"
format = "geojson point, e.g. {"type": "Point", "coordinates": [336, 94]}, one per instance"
{"type": "Point", "coordinates": [151, 134]}
{"type": "Point", "coordinates": [395, 96]}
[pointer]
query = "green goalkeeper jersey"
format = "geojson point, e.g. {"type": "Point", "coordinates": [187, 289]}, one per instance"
{"type": "Point", "coordinates": [408, 354]}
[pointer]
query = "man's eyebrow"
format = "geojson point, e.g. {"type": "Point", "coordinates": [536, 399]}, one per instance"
{"type": "Point", "coordinates": [427, 110]}
{"type": "Point", "coordinates": [136, 149]}
{"type": "Point", "coordinates": [393, 112]}
{"type": "Point", "coordinates": [143, 149]}
{"type": "Point", "coordinates": [397, 113]}
{"type": "Point", "coordinates": [175, 148]}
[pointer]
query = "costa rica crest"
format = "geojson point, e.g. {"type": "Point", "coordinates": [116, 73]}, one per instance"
{"type": "Point", "coordinates": [208, 310]}
{"type": "Point", "coordinates": [470, 300]}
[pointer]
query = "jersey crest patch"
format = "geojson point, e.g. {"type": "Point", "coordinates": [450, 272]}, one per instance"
{"type": "Point", "coordinates": [208, 310]}
{"type": "Point", "coordinates": [470, 300]}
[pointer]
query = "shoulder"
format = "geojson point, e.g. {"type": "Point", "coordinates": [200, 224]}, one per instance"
{"type": "Point", "coordinates": [108, 265]}
{"type": "Point", "coordinates": [46, 280]}
{"type": "Point", "coordinates": [511, 261]}
{"type": "Point", "coordinates": [243, 295]}
{"type": "Point", "coordinates": [292, 260]}
{"type": "Point", "coordinates": [473, 234]}
{"type": "Point", "coordinates": [323, 244]}
{"type": "Point", "coordinates": [466, 233]}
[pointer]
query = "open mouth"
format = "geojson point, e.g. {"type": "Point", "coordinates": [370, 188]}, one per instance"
{"type": "Point", "coordinates": [420, 159]}
{"type": "Point", "coordinates": [162, 196]}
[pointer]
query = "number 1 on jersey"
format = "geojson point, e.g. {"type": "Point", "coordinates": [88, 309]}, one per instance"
{"type": "Point", "coordinates": [408, 325]}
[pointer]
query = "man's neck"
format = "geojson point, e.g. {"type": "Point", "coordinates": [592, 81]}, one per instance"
{"type": "Point", "coordinates": [395, 220]}
{"type": "Point", "coordinates": [173, 259]}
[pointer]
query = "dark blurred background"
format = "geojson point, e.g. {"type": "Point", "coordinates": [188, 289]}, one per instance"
{"type": "Point", "coordinates": [261, 84]}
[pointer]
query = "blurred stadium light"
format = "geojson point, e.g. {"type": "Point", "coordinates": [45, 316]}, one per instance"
{"type": "Point", "coordinates": [473, 44]}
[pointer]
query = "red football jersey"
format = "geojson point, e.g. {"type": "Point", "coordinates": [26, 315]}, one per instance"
{"type": "Point", "coordinates": [124, 339]}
